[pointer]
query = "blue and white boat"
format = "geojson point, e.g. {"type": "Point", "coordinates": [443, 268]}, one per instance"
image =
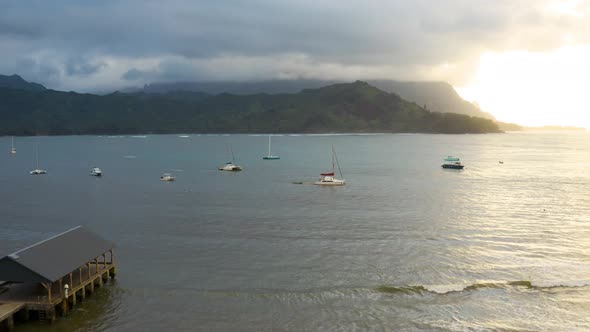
{"type": "Point", "coordinates": [451, 162]}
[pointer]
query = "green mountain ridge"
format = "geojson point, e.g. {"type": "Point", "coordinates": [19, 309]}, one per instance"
{"type": "Point", "coordinates": [434, 95]}
{"type": "Point", "coordinates": [17, 82]}
{"type": "Point", "coordinates": [345, 107]}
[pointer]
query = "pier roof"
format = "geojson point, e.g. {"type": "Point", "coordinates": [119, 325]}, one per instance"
{"type": "Point", "coordinates": [53, 258]}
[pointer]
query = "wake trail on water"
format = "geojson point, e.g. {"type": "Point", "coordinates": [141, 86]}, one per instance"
{"type": "Point", "coordinates": [449, 289]}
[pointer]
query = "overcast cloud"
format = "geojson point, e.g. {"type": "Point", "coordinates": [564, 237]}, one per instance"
{"type": "Point", "coordinates": [101, 45]}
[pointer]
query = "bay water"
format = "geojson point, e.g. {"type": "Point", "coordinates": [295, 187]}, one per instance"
{"type": "Point", "coordinates": [404, 246]}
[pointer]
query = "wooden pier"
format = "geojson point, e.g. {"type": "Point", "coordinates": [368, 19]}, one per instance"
{"type": "Point", "coordinates": [47, 279]}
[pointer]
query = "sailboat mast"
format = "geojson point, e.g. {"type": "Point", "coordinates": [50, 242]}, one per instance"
{"type": "Point", "coordinates": [37, 157]}
{"type": "Point", "coordinates": [269, 145]}
{"type": "Point", "coordinates": [337, 162]}
{"type": "Point", "coordinates": [332, 158]}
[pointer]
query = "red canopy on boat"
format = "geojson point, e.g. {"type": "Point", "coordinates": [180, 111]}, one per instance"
{"type": "Point", "coordinates": [327, 174]}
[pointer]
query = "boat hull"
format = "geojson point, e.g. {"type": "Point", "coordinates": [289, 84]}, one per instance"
{"type": "Point", "coordinates": [452, 166]}
{"type": "Point", "coordinates": [329, 184]}
{"type": "Point", "coordinates": [230, 168]}
{"type": "Point", "coordinates": [271, 158]}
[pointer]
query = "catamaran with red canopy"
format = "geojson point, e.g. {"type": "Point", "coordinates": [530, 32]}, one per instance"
{"type": "Point", "coordinates": [329, 179]}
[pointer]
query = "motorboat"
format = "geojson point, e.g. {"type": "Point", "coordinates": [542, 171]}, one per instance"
{"type": "Point", "coordinates": [96, 171]}
{"type": "Point", "coordinates": [167, 177]}
{"type": "Point", "coordinates": [451, 162]}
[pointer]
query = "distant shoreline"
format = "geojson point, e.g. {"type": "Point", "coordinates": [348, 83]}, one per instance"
{"type": "Point", "coordinates": [132, 135]}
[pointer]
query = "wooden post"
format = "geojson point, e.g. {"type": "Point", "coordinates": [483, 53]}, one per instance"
{"type": "Point", "coordinates": [9, 323]}
{"type": "Point", "coordinates": [83, 293]}
{"type": "Point", "coordinates": [96, 264]}
{"type": "Point", "coordinates": [49, 292]}
{"type": "Point", "coordinates": [61, 288]}
{"type": "Point", "coordinates": [88, 266]}
{"type": "Point", "coordinates": [104, 261]}
{"type": "Point", "coordinates": [112, 256]}
{"type": "Point", "coordinates": [80, 272]}
{"type": "Point", "coordinates": [50, 314]}
{"type": "Point", "coordinates": [64, 307]}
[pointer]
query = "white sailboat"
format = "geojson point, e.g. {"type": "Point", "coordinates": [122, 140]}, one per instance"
{"type": "Point", "coordinates": [37, 170]}
{"type": "Point", "coordinates": [12, 148]}
{"type": "Point", "coordinates": [329, 179]}
{"type": "Point", "coordinates": [230, 166]}
{"type": "Point", "coordinates": [270, 156]}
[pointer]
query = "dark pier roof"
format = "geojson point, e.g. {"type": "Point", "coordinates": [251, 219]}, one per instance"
{"type": "Point", "coordinates": [53, 258]}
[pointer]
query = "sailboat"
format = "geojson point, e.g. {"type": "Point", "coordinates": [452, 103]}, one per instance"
{"type": "Point", "coordinates": [270, 156]}
{"type": "Point", "coordinates": [230, 166]}
{"type": "Point", "coordinates": [37, 171]}
{"type": "Point", "coordinates": [12, 149]}
{"type": "Point", "coordinates": [329, 179]}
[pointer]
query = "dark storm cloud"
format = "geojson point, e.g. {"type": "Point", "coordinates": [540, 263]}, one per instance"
{"type": "Point", "coordinates": [138, 40]}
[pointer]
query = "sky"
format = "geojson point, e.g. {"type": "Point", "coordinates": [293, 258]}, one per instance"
{"type": "Point", "coordinates": [524, 61]}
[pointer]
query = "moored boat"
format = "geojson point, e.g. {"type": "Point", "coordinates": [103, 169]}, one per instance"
{"type": "Point", "coordinates": [96, 171]}
{"type": "Point", "coordinates": [37, 170]}
{"type": "Point", "coordinates": [451, 162]}
{"type": "Point", "coordinates": [270, 156]}
{"type": "Point", "coordinates": [167, 177]}
{"type": "Point", "coordinates": [230, 166]}
{"type": "Point", "coordinates": [329, 179]}
{"type": "Point", "coordinates": [12, 148]}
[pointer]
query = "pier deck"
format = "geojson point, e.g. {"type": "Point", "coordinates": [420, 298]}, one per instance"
{"type": "Point", "coordinates": [48, 278]}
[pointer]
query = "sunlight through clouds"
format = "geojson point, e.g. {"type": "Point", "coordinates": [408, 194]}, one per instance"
{"type": "Point", "coordinates": [534, 88]}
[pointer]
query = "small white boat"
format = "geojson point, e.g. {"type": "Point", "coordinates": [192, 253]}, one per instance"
{"type": "Point", "coordinates": [329, 179]}
{"type": "Point", "coordinates": [270, 156]}
{"type": "Point", "coordinates": [96, 171]}
{"type": "Point", "coordinates": [230, 166]}
{"type": "Point", "coordinates": [167, 177]}
{"type": "Point", "coordinates": [12, 148]}
{"type": "Point", "coordinates": [37, 170]}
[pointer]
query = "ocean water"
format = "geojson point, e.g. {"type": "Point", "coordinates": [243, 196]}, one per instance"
{"type": "Point", "coordinates": [405, 246]}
